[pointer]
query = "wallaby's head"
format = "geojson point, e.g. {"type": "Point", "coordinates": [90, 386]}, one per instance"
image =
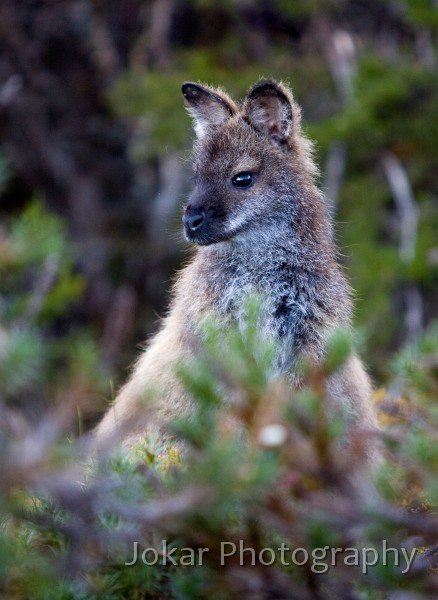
{"type": "Point", "coordinates": [252, 165]}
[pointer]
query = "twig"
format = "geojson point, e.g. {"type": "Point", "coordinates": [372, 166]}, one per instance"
{"type": "Point", "coordinates": [343, 59]}
{"type": "Point", "coordinates": [405, 202]}
{"type": "Point", "coordinates": [414, 313]}
{"type": "Point", "coordinates": [424, 47]}
{"type": "Point", "coordinates": [408, 217]}
{"type": "Point", "coordinates": [334, 173]}
{"type": "Point", "coordinates": [43, 285]}
{"type": "Point", "coordinates": [340, 52]}
{"type": "Point", "coordinates": [153, 44]}
{"type": "Point", "coordinates": [164, 508]}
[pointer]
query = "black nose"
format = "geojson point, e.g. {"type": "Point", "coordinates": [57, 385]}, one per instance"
{"type": "Point", "coordinates": [193, 218]}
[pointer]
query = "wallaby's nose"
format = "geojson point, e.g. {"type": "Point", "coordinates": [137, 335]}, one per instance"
{"type": "Point", "coordinates": [193, 218]}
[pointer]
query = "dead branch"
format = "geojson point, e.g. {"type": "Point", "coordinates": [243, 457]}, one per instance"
{"type": "Point", "coordinates": [407, 210]}
{"type": "Point", "coordinates": [403, 196]}
{"type": "Point", "coordinates": [153, 44]}
{"type": "Point", "coordinates": [340, 52]}
{"type": "Point", "coordinates": [119, 323]}
{"type": "Point", "coordinates": [334, 173]}
{"type": "Point", "coordinates": [44, 283]}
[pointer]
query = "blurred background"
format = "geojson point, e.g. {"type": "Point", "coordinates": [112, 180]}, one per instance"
{"type": "Point", "coordinates": [94, 142]}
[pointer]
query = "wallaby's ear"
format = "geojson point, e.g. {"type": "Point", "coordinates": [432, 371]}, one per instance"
{"type": "Point", "coordinates": [269, 109]}
{"type": "Point", "coordinates": [208, 107]}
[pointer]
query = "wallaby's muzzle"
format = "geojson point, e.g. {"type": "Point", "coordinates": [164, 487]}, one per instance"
{"type": "Point", "coordinates": [195, 222]}
{"type": "Point", "coordinates": [202, 222]}
{"type": "Point", "coordinates": [193, 218]}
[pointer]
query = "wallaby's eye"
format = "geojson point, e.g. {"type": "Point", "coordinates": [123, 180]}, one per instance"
{"type": "Point", "coordinates": [243, 180]}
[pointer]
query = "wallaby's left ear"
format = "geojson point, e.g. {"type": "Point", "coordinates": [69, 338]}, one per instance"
{"type": "Point", "coordinates": [269, 109]}
{"type": "Point", "coordinates": [208, 107]}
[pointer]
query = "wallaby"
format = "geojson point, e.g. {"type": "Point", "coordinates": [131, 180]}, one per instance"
{"type": "Point", "coordinates": [261, 227]}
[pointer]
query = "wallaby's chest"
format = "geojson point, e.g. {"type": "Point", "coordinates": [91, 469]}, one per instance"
{"type": "Point", "coordinates": [287, 296]}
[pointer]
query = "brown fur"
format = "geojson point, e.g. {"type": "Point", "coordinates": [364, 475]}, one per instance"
{"type": "Point", "coordinates": [274, 239]}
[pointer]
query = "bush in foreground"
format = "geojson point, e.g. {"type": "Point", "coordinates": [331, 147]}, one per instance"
{"type": "Point", "coordinates": [271, 514]}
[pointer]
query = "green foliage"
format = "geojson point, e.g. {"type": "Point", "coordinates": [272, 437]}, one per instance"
{"type": "Point", "coordinates": [416, 366]}
{"type": "Point", "coordinates": [393, 108]}
{"type": "Point", "coordinates": [338, 350]}
{"type": "Point", "coordinates": [37, 245]}
{"type": "Point", "coordinates": [258, 490]}
{"type": "Point", "coordinates": [421, 12]}
{"type": "Point", "coordinates": [303, 8]}
{"type": "Point", "coordinates": [38, 285]}
{"type": "Point", "coordinates": [21, 358]}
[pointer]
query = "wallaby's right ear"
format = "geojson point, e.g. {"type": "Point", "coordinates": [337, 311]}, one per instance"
{"type": "Point", "coordinates": [268, 107]}
{"type": "Point", "coordinates": [208, 107]}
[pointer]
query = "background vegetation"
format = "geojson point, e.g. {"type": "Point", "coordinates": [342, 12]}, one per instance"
{"type": "Point", "coordinates": [93, 142]}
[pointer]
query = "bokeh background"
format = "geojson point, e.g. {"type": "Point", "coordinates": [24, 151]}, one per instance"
{"type": "Point", "coordinates": [94, 142]}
